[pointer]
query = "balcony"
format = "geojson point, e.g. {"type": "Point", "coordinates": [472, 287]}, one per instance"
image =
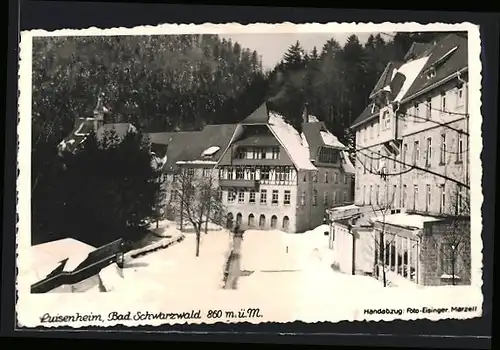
{"type": "Point", "coordinates": [239, 183]}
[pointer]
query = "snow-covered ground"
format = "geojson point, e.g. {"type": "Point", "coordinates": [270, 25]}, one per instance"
{"type": "Point", "coordinates": [176, 269]}
{"type": "Point", "coordinates": [301, 263]}
{"type": "Point", "coordinates": [292, 279]}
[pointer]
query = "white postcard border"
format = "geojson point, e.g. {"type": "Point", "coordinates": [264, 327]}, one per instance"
{"type": "Point", "coordinates": [30, 307]}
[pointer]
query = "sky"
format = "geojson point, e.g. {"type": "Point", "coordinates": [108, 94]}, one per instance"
{"type": "Point", "coordinates": [273, 46]}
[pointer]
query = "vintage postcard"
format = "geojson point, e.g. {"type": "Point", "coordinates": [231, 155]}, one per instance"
{"type": "Point", "coordinates": [249, 173]}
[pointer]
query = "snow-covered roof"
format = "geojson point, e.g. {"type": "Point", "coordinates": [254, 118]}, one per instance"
{"type": "Point", "coordinates": [406, 220]}
{"type": "Point", "coordinates": [330, 140]}
{"type": "Point", "coordinates": [47, 256]}
{"type": "Point", "coordinates": [313, 119]}
{"type": "Point", "coordinates": [347, 164]}
{"type": "Point", "coordinates": [345, 207]}
{"type": "Point", "coordinates": [410, 70]}
{"type": "Point", "coordinates": [291, 141]}
{"type": "Point", "coordinates": [210, 151]}
{"type": "Point", "coordinates": [208, 162]}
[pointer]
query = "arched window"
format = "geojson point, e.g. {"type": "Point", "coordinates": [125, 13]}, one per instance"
{"type": "Point", "coordinates": [238, 219]}
{"type": "Point", "coordinates": [286, 223]}
{"type": "Point", "coordinates": [229, 221]}
{"type": "Point", "coordinates": [251, 220]}
{"type": "Point", "coordinates": [262, 221]}
{"type": "Point", "coordinates": [274, 221]}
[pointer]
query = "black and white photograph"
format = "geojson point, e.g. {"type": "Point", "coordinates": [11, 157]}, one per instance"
{"type": "Point", "coordinates": [249, 173]}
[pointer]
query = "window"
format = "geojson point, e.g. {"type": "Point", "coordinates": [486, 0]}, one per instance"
{"type": "Point", "coordinates": [263, 196]}
{"type": "Point", "coordinates": [274, 221]}
{"type": "Point", "coordinates": [448, 258]}
{"type": "Point", "coordinates": [364, 194]}
{"type": "Point", "coordinates": [345, 196]}
{"type": "Point", "coordinates": [219, 194]}
{"type": "Point", "coordinates": [335, 177]}
{"type": "Point", "coordinates": [241, 196]}
{"type": "Point", "coordinates": [315, 176]}
{"type": "Point", "coordinates": [345, 179]}
{"type": "Point", "coordinates": [429, 109]}
{"type": "Point", "coordinates": [206, 172]}
{"type": "Point", "coordinates": [394, 163]}
{"type": "Point", "coordinates": [460, 96]}
{"type": "Point", "coordinates": [431, 74]}
{"type": "Point", "coordinates": [275, 197]}
{"type": "Point", "coordinates": [460, 147]}
{"type": "Point", "coordinates": [190, 172]}
{"type": "Point", "coordinates": [231, 196]}
{"type": "Point", "coordinates": [377, 192]}
{"type": "Point", "coordinates": [264, 173]}
{"type": "Point", "coordinates": [305, 177]}
{"type": "Point", "coordinates": [442, 201]}
{"type": "Point", "coordinates": [252, 196]}
{"type": "Point", "coordinates": [315, 197]}
{"type": "Point", "coordinates": [415, 196]}
{"type": "Point", "coordinates": [275, 153]}
{"type": "Point", "coordinates": [443, 102]}
{"type": "Point", "coordinates": [443, 149]}
{"type": "Point", "coordinates": [428, 152]}
{"type": "Point", "coordinates": [403, 204]}
{"type": "Point", "coordinates": [303, 198]}
{"type": "Point", "coordinates": [394, 193]}
{"type": "Point", "coordinates": [405, 151]}
{"type": "Point", "coordinates": [287, 197]}
{"type": "Point", "coordinates": [416, 152]}
{"type": "Point", "coordinates": [428, 197]}
{"type": "Point", "coordinates": [325, 198]}
{"type": "Point", "coordinates": [230, 173]}
{"type": "Point", "coordinates": [417, 112]}
{"type": "Point", "coordinates": [286, 222]}
{"type": "Point", "coordinates": [334, 197]}
{"type": "Point", "coordinates": [240, 175]}
{"type": "Point", "coordinates": [251, 220]}
{"type": "Point", "coordinates": [326, 177]}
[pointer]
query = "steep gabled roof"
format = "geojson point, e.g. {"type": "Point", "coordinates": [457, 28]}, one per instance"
{"type": "Point", "coordinates": [259, 116]}
{"type": "Point", "coordinates": [368, 113]}
{"type": "Point", "coordinates": [448, 55]}
{"type": "Point", "coordinates": [291, 141]}
{"type": "Point", "coordinates": [455, 62]}
{"type": "Point", "coordinates": [385, 77]}
{"type": "Point", "coordinates": [188, 146]}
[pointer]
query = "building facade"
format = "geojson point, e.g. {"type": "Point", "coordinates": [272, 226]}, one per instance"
{"type": "Point", "coordinates": [412, 162]}
{"type": "Point", "coordinates": [415, 132]}
{"type": "Point", "coordinates": [269, 175]}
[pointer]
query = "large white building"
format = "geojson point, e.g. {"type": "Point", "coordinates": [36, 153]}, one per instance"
{"type": "Point", "coordinates": [415, 130]}
{"type": "Point", "coordinates": [270, 175]}
{"type": "Point", "coordinates": [412, 168]}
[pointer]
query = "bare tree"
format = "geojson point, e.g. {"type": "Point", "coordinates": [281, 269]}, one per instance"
{"type": "Point", "coordinates": [382, 242]}
{"type": "Point", "coordinates": [197, 201]}
{"type": "Point", "coordinates": [454, 242]}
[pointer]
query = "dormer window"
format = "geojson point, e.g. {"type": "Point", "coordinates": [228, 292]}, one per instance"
{"type": "Point", "coordinates": [431, 73]}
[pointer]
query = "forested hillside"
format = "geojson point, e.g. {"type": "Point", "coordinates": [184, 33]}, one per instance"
{"type": "Point", "coordinates": [335, 81]}
{"type": "Point", "coordinates": [159, 83]}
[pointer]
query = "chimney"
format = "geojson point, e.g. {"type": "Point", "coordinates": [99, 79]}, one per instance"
{"type": "Point", "coordinates": [305, 113]}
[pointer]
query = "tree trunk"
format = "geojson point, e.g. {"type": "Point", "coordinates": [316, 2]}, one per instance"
{"type": "Point", "coordinates": [197, 242]}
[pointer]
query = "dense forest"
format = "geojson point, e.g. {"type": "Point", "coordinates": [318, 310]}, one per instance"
{"type": "Point", "coordinates": [182, 82]}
